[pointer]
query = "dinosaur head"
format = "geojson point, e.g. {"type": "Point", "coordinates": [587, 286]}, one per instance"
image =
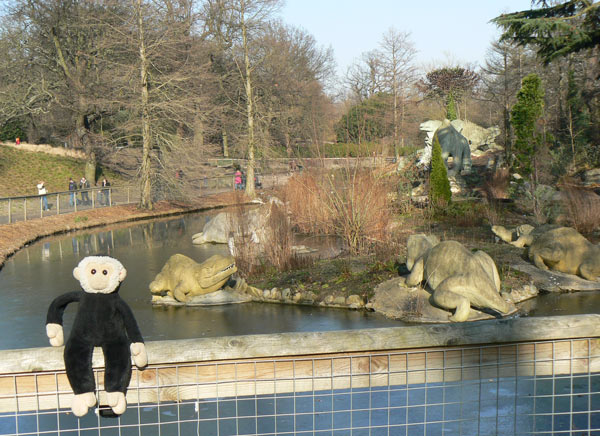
{"type": "Point", "coordinates": [214, 272]}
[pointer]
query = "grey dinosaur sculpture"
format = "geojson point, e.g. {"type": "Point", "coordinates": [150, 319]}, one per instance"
{"type": "Point", "coordinates": [456, 145]}
{"type": "Point", "coordinates": [458, 278]}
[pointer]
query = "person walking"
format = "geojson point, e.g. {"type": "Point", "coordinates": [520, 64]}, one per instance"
{"type": "Point", "coordinates": [106, 192]}
{"type": "Point", "coordinates": [238, 180]}
{"type": "Point", "coordinates": [42, 191]}
{"type": "Point", "coordinates": [72, 189]}
{"type": "Point", "coordinates": [84, 184]}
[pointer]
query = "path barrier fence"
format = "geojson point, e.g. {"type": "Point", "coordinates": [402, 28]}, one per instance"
{"type": "Point", "coordinates": [23, 208]}
{"type": "Point", "coordinates": [521, 376]}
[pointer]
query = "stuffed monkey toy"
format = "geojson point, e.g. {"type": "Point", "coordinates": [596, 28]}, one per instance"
{"type": "Point", "coordinates": [104, 320]}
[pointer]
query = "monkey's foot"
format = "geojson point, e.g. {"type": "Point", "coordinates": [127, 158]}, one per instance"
{"type": "Point", "coordinates": [117, 402]}
{"type": "Point", "coordinates": [82, 402]}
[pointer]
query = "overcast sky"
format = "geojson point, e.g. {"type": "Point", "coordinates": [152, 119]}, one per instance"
{"type": "Point", "coordinates": [440, 29]}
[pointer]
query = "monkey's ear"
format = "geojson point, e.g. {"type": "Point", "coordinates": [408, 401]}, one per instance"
{"type": "Point", "coordinates": [76, 273]}
{"type": "Point", "coordinates": [122, 274]}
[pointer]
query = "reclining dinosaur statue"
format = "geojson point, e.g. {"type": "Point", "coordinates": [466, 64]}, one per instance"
{"type": "Point", "coordinates": [458, 278]}
{"type": "Point", "coordinates": [564, 249]}
{"type": "Point", "coordinates": [183, 278]}
{"type": "Point", "coordinates": [523, 235]}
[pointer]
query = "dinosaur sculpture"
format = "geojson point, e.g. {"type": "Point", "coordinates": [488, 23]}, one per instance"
{"type": "Point", "coordinates": [456, 145]}
{"type": "Point", "coordinates": [564, 249]}
{"type": "Point", "coordinates": [183, 278]}
{"type": "Point", "coordinates": [458, 278]}
{"type": "Point", "coordinates": [523, 235]}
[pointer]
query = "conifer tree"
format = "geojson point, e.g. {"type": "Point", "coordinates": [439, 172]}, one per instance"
{"type": "Point", "coordinates": [524, 118]}
{"type": "Point", "coordinates": [439, 186]}
{"type": "Point", "coordinates": [451, 108]}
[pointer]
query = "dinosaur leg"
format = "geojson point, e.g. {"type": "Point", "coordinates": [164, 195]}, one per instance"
{"type": "Point", "coordinates": [449, 300]}
{"type": "Point", "coordinates": [179, 293]}
{"type": "Point", "coordinates": [538, 261]}
{"type": "Point", "coordinates": [552, 254]}
{"type": "Point", "coordinates": [523, 241]}
{"type": "Point", "coordinates": [416, 275]}
{"type": "Point", "coordinates": [587, 271]}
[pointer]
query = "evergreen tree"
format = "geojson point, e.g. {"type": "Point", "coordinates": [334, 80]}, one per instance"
{"type": "Point", "coordinates": [451, 107]}
{"type": "Point", "coordinates": [577, 117]}
{"type": "Point", "coordinates": [524, 116]}
{"type": "Point", "coordinates": [555, 30]}
{"type": "Point", "coordinates": [439, 186]}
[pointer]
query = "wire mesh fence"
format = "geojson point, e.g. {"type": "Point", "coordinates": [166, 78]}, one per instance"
{"type": "Point", "coordinates": [541, 388]}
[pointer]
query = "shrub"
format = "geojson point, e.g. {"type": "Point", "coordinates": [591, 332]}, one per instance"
{"type": "Point", "coordinates": [439, 186]}
{"type": "Point", "coordinates": [365, 121]}
{"type": "Point", "coordinates": [351, 203]}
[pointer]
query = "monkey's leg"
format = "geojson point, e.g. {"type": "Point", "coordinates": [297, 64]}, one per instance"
{"type": "Point", "coordinates": [78, 363]}
{"type": "Point", "coordinates": [117, 358]}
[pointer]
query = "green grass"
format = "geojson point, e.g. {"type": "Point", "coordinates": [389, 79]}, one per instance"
{"type": "Point", "coordinates": [21, 170]}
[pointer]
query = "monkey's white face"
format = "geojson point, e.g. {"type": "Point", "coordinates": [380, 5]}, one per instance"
{"type": "Point", "coordinates": [99, 274]}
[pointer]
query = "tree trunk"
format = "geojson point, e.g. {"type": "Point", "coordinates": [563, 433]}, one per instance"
{"type": "Point", "coordinates": [90, 155]}
{"type": "Point", "coordinates": [250, 191]}
{"type": "Point", "coordinates": [145, 182]}
{"type": "Point", "coordinates": [225, 143]}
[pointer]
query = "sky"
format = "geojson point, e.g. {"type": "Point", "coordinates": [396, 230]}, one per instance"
{"type": "Point", "coordinates": [442, 31]}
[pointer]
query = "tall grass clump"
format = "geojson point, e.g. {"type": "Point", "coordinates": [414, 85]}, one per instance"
{"type": "Point", "coordinates": [268, 249]}
{"type": "Point", "coordinates": [352, 203]}
{"type": "Point", "coordinates": [582, 207]}
{"type": "Point", "coordinates": [496, 189]}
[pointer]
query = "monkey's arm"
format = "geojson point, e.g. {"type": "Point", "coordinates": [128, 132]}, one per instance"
{"type": "Point", "coordinates": [54, 318]}
{"type": "Point", "coordinates": [137, 347]}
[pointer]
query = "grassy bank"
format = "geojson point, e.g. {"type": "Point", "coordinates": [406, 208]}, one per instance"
{"type": "Point", "coordinates": [20, 171]}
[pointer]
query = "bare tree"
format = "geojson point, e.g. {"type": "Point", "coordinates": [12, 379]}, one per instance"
{"type": "Point", "coordinates": [248, 18]}
{"type": "Point", "coordinates": [399, 75]}
{"type": "Point", "coordinates": [61, 38]}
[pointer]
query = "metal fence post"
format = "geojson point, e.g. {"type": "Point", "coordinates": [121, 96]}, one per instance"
{"type": "Point", "coordinates": [25, 209]}
{"type": "Point", "coordinates": [128, 195]}
{"type": "Point", "coordinates": [9, 210]}
{"type": "Point", "coordinates": [93, 199]}
{"type": "Point", "coordinates": [57, 204]}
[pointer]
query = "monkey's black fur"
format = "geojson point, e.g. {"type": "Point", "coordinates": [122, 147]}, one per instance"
{"type": "Point", "coordinates": [102, 320]}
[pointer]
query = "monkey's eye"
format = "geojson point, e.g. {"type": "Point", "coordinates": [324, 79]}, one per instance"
{"type": "Point", "coordinates": [93, 271]}
{"type": "Point", "coordinates": [105, 272]}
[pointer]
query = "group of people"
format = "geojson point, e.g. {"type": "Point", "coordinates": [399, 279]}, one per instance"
{"type": "Point", "coordinates": [84, 186]}
{"type": "Point", "coordinates": [239, 181]}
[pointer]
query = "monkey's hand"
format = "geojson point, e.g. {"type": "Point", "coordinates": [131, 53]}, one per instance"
{"type": "Point", "coordinates": [55, 334]}
{"type": "Point", "coordinates": [138, 352]}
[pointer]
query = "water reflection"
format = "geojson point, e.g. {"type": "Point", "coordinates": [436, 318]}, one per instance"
{"type": "Point", "coordinates": [33, 277]}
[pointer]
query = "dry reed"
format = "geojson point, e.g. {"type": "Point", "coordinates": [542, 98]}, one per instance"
{"type": "Point", "coordinates": [582, 207]}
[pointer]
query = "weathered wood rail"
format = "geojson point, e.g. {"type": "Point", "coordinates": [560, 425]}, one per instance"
{"type": "Point", "coordinates": [34, 379]}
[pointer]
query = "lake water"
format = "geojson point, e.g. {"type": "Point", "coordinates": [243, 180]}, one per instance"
{"type": "Point", "coordinates": [34, 276]}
